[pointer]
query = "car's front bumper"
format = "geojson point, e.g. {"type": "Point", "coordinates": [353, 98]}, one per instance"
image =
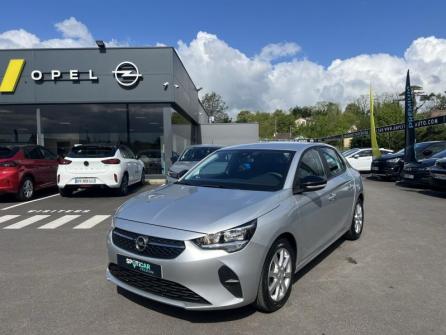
{"type": "Point", "coordinates": [197, 270]}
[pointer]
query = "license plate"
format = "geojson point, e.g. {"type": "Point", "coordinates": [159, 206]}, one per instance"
{"type": "Point", "coordinates": [85, 181]}
{"type": "Point", "coordinates": [140, 266]}
{"type": "Point", "coordinates": [439, 176]}
{"type": "Point", "coordinates": [375, 168]}
{"type": "Point", "coordinates": [408, 176]}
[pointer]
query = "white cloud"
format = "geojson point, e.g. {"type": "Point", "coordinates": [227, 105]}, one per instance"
{"type": "Point", "coordinates": [259, 83]}
{"type": "Point", "coordinates": [278, 50]}
{"type": "Point", "coordinates": [74, 33]}
{"type": "Point", "coordinates": [276, 77]}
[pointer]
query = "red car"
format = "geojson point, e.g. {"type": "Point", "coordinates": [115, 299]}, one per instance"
{"type": "Point", "coordinates": [25, 169]}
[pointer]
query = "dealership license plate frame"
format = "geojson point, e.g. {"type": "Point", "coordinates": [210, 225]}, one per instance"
{"type": "Point", "coordinates": [439, 176]}
{"type": "Point", "coordinates": [84, 180]}
{"type": "Point", "coordinates": [375, 168]}
{"type": "Point", "coordinates": [408, 176]}
{"type": "Point", "coordinates": [140, 266]}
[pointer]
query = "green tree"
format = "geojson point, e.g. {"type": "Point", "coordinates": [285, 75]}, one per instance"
{"type": "Point", "coordinates": [215, 106]}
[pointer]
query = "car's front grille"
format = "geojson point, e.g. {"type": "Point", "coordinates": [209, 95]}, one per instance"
{"type": "Point", "coordinates": [156, 247]}
{"type": "Point", "coordinates": [157, 286]}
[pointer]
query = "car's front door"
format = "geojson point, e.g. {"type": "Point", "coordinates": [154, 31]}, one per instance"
{"type": "Point", "coordinates": [310, 210]}
{"type": "Point", "coordinates": [340, 190]}
{"type": "Point", "coordinates": [364, 160]}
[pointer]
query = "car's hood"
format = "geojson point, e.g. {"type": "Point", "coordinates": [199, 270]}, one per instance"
{"type": "Point", "coordinates": [389, 156]}
{"type": "Point", "coordinates": [182, 166]}
{"type": "Point", "coordinates": [424, 163]}
{"type": "Point", "coordinates": [199, 209]}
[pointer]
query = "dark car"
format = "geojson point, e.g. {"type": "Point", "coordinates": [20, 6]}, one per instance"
{"type": "Point", "coordinates": [390, 166]}
{"type": "Point", "coordinates": [419, 173]}
{"type": "Point", "coordinates": [25, 169]}
{"type": "Point", "coordinates": [438, 175]}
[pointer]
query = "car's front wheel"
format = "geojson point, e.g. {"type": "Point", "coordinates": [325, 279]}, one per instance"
{"type": "Point", "coordinates": [277, 277]}
{"type": "Point", "coordinates": [357, 225]}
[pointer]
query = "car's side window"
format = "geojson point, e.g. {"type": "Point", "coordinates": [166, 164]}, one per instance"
{"type": "Point", "coordinates": [124, 152]}
{"type": "Point", "coordinates": [437, 147]}
{"type": "Point", "coordinates": [33, 153]}
{"type": "Point", "coordinates": [365, 153]}
{"type": "Point", "coordinates": [48, 154]}
{"type": "Point", "coordinates": [130, 153]}
{"type": "Point", "coordinates": [334, 163]}
{"type": "Point", "coordinates": [310, 165]}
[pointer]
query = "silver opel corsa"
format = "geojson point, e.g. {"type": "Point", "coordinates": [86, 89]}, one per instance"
{"type": "Point", "coordinates": [236, 227]}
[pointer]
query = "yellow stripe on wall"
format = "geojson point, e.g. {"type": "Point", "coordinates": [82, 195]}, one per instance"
{"type": "Point", "coordinates": [12, 75]}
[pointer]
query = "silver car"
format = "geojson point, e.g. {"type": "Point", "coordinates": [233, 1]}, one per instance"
{"type": "Point", "coordinates": [236, 227]}
{"type": "Point", "coordinates": [190, 156]}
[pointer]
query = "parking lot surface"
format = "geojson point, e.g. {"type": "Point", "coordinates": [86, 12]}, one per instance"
{"type": "Point", "coordinates": [391, 281]}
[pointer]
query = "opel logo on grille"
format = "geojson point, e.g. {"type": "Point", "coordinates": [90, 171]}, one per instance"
{"type": "Point", "coordinates": [127, 74]}
{"type": "Point", "coordinates": [141, 243]}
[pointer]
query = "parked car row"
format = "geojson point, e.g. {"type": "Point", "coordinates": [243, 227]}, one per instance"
{"type": "Point", "coordinates": [427, 171]}
{"type": "Point", "coordinates": [25, 169]}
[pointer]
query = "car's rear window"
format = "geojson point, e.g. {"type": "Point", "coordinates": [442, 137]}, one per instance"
{"type": "Point", "coordinates": [8, 152]}
{"type": "Point", "coordinates": [91, 151]}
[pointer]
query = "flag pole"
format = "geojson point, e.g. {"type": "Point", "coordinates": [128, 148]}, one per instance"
{"type": "Point", "coordinates": [374, 142]}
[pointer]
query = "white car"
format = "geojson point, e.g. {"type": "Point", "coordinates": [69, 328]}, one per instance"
{"type": "Point", "coordinates": [99, 165]}
{"type": "Point", "coordinates": [361, 159]}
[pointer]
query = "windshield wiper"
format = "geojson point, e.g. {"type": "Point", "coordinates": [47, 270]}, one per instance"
{"type": "Point", "coordinates": [212, 185]}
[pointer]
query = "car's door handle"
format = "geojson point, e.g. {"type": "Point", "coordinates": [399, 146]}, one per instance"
{"type": "Point", "coordinates": [331, 196]}
{"type": "Point", "coordinates": [350, 186]}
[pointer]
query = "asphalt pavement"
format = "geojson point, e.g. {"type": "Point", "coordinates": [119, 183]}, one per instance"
{"type": "Point", "coordinates": [391, 281]}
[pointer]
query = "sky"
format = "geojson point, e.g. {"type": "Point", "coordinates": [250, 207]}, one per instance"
{"type": "Point", "coordinates": [259, 55]}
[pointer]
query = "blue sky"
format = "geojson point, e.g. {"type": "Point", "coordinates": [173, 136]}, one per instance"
{"type": "Point", "coordinates": [325, 30]}
{"type": "Point", "coordinates": [259, 55]}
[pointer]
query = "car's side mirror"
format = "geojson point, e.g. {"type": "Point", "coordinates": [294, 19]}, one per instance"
{"type": "Point", "coordinates": [173, 159]}
{"type": "Point", "coordinates": [310, 183]}
{"type": "Point", "coordinates": [356, 156]}
{"type": "Point", "coordinates": [427, 152]}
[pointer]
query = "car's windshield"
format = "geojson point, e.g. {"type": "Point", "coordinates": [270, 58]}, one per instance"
{"type": "Point", "coordinates": [441, 154]}
{"type": "Point", "coordinates": [419, 148]}
{"type": "Point", "coordinates": [196, 154]}
{"type": "Point", "coordinates": [92, 151]}
{"type": "Point", "coordinates": [349, 152]}
{"type": "Point", "coordinates": [247, 169]}
{"type": "Point", "coordinates": [8, 152]}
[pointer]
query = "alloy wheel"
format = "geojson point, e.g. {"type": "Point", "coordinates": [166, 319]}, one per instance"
{"type": "Point", "coordinates": [28, 189]}
{"type": "Point", "coordinates": [358, 218]}
{"type": "Point", "coordinates": [279, 274]}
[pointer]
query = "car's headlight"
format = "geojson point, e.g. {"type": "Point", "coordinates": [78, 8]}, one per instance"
{"type": "Point", "coordinates": [394, 160]}
{"type": "Point", "coordinates": [230, 240]}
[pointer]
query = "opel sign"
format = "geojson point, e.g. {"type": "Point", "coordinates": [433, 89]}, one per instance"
{"type": "Point", "coordinates": [127, 74]}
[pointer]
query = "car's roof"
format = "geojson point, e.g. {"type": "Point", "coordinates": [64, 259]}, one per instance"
{"type": "Point", "coordinates": [205, 146]}
{"type": "Point", "coordinates": [289, 146]}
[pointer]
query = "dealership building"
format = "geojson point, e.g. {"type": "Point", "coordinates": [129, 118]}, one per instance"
{"type": "Point", "coordinates": [140, 96]}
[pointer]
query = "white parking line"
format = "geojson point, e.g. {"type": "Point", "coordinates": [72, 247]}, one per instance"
{"type": "Point", "coordinates": [28, 202]}
{"type": "Point", "coordinates": [59, 222]}
{"type": "Point", "coordinates": [91, 222]}
{"type": "Point", "coordinates": [26, 222]}
{"type": "Point", "coordinates": [5, 218]}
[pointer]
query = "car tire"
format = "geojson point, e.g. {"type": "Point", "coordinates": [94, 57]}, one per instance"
{"type": "Point", "coordinates": [26, 190]}
{"type": "Point", "coordinates": [143, 177]}
{"type": "Point", "coordinates": [276, 279]}
{"type": "Point", "coordinates": [124, 187]}
{"type": "Point", "coordinates": [65, 192]}
{"type": "Point", "coordinates": [357, 225]}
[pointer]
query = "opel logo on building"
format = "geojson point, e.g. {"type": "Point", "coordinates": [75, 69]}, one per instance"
{"type": "Point", "coordinates": [141, 243]}
{"type": "Point", "coordinates": [127, 74]}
